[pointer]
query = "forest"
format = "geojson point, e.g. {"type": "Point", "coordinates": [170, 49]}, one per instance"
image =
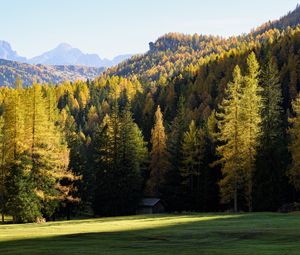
{"type": "Point", "coordinates": [206, 124]}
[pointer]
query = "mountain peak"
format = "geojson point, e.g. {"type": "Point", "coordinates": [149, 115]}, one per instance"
{"type": "Point", "coordinates": [6, 52]}
{"type": "Point", "coordinates": [62, 54]}
{"type": "Point", "coordinates": [64, 46]}
{"type": "Point", "coordinates": [5, 44]}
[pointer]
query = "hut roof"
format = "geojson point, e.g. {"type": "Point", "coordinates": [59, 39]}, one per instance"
{"type": "Point", "coordinates": [149, 201]}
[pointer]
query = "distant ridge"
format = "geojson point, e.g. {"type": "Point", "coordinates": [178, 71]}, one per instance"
{"type": "Point", "coordinates": [63, 54]}
{"type": "Point", "coordinates": [10, 70]}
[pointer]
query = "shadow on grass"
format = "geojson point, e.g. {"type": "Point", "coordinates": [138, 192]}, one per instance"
{"type": "Point", "coordinates": [236, 234]}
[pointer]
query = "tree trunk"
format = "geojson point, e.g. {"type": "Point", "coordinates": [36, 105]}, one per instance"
{"type": "Point", "coordinates": [2, 212]}
{"type": "Point", "coordinates": [235, 200]}
{"type": "Point", "coordinates": [68, 212]}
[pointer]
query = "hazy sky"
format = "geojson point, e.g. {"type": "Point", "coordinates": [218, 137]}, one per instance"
{"type": "Point", "coordinates": [112, 27]}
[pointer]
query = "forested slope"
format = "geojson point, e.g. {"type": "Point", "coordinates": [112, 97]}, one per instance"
{"type": "Point", "coordinates": [204, 123]}
{"type": "Point", "coordinates": [11, 70]}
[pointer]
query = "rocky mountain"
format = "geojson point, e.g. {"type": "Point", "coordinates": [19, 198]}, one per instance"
{"type": "Point", "coordinates": [6, 52]}
{"type": "Point", "coordinates": [63, 54]}
{"type": "Point", "coordinates": [10, 70]}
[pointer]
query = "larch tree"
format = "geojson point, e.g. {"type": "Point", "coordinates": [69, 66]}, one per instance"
{"type": "Point", "coordinates": [159, 161]}
{"type": "Point", "coordinates": [3, 170]}
{"type": "Point", "coordinates": [51, 104]}
{"type": "Point", "coordinates": [22, 203]}
{"type": "Point", "coordinates": [251, 105]}
{"type": "Point", "coordinates": [294, 146]}
{"type": "Point", "coordinates": [230, 132]}
{"type": "Point", "coordinates": [47, 152]}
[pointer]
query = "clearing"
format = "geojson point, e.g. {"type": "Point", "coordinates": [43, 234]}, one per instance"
{"type": "Point", "coordinates": [226, 234]}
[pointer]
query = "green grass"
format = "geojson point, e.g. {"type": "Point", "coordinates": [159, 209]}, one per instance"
{"type": "Point", "coordinates": [257, 233]}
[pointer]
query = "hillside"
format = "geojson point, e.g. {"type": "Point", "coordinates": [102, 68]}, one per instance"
{"type": "Point", "coordinates": [176, 53]}
{"type": "Point", "coordinates": [204, 123]}
{"type": "Point", "coordinates": [10, 70]}
{"type": "Point", "coordinates": [171, 54]}
{"type": "Point", "coordinates": [292, 19]}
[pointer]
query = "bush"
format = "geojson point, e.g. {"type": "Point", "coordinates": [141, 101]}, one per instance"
{"type": "Point", "coordinates": [291, 207]}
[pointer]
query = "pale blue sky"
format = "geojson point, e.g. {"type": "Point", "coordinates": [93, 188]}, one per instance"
{"type": "Point", "coordinates": [113, 27]}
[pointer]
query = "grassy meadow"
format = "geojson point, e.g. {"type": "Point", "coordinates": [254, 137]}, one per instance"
{"type": "Point", "coordinates": [226, 234]}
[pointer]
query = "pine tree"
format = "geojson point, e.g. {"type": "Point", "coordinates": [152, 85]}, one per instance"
{"type": "Point", "coordinates": [272, 156]}
{"type": "Point", "coordinates": [230, 126]}
{"type": "Point", "coordinates": [159, 163]}
{"type": "Point", "coordinates": [251, 103]}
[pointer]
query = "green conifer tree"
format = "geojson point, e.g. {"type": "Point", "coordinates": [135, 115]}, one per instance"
{"type": "Point", "coordinates": [118, 156]}
{"type": "Point", "coordinates": [192, 164]}
{"type": "Point", "coordinates": [270, 174]}
{"type": "Point", "coordinates": [172, 193]}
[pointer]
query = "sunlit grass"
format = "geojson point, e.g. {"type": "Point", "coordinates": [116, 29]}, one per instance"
{"type": "Point", "coordinates": [261, 233]}
{"type": "Point", "coordinates": [23, 231]}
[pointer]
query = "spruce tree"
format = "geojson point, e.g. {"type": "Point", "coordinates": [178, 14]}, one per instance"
{"type": "Point", "coordinates": [118, 156]}
{"type": "Point", "coordinates": [192, 165]}
{"type": "Point", "coordinates": [172, 192]}
{"type": "Point", "coordinates": [101, 169]}
{"type": "Point", "coordinates": [133, 154]}
{"type": "Point", "coordinates": [269, 176]}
